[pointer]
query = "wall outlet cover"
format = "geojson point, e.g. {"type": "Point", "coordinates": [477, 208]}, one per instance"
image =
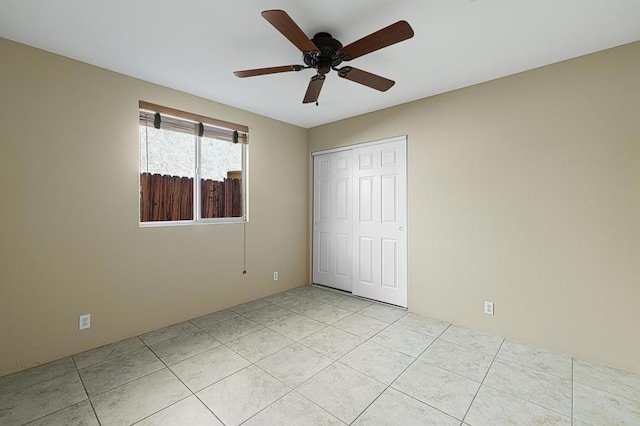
{"type": "Point", "coordinates": [85, 321]}
{"type": "Point", "coordinates": [275, 276]}
{"type": "Point", "coordinates": [488, 308]}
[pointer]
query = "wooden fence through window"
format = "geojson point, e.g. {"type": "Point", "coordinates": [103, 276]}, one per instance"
{"type": "Point", "coordinates": [170, 198]}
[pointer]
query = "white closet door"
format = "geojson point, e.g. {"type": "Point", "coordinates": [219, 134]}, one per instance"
{"type": "Point", "coordinates": [380, 222]}
{"type": "Point", "coordinates": [333, 222]}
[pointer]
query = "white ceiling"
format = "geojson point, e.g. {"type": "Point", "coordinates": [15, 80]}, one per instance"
{"type": "Point", "coordinates": [195, 45]}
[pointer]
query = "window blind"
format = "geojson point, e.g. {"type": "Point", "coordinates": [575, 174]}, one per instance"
{"type": "Point", "coordinates": [151, 117]}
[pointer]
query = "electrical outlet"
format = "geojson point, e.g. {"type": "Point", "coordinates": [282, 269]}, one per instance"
{"type": "Point", "coordinates": [85, 321]}
{"type": "Point", "coordinates": [275, 276]}
{"type": "Point", "coordinates": [488, 308]}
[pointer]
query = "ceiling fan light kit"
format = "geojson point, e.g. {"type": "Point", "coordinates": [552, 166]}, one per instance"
{"type": "Point", "coordinates": [324, 53]}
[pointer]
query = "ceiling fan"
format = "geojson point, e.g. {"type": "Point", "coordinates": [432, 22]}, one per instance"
{"type": "Point", "coordinates": [323, 53]}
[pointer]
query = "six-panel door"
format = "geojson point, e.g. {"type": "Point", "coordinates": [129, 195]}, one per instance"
{"type": "Point", "coordinates": [332, 243]}
{"type": "Point", "coordinates": [360, 216]}
{"type": "Point", "coordinates": [379, 222]}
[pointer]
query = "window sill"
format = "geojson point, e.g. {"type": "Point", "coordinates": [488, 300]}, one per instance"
{"type": "Point", "coordinates": [219, 221]}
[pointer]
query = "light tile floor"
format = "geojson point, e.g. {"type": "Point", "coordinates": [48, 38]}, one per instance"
{"type": "Point", "coordinates": [311, 356]}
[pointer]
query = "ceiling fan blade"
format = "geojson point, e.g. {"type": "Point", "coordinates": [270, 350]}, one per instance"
{"type": "Point", "coordinates": [283, 23]}
{"type": "Point", "coordinates": [313, 91]}
{"type": "Point", "coordinates": [270, 70]}
{"type": "Point", "coordinates": [387, 36]}
{"type": "Point", "coordinates": [366, 78]}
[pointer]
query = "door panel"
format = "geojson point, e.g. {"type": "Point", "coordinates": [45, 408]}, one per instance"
{"type": "Point", "coordinates": [389, 199]}
{"type": "Point", "coordinates": [389, 263]}
{"type": "Point", "coordinates": [389, 157]}
{"type": "Point", "coordinates": [343, 193]}
{"type": "Point", "coordinates": [333, 221]}
{"type": "Point", "coordinates": [343, 254]}
{"type": "Point", "coordinates": [365, 260]}
{"type": "Point", "coordinates": [380, 220]}
{"type": "Point", "coordinates": [365, 200]}
{"type": "Point", "coordinates": [366, 161]}
{"type": "Point", "coordinates": [325, 195]}
{"type": "Point", "coordinates": [323, 263]}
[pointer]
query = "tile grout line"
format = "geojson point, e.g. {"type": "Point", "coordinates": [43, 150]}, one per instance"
{"type": "Point", "coordinates": [483, 379]}
{"type": "Point", "coordinates": [530, 368]}
{"type": "Point", "coordinates": [608, 392]}
{"type": "Point", "coordinates": [249, 334]}
{"type": "Point", "coordinates": [126, 382]}
{"type": "Point", "coordinates": [34, 383]}
{"type": "Point", "coordinates": [293, 389]}
{"type": "Point", "coordinates": [180, 380]}
{"type": "Point", "coordinates": [251, 363]}
{"type": "Point", "coordinates": [49, 379]}
{"type": "Point", "coordinates": [572, 417]}
{"type": "Point", "coordinates": [68, 406]}
{"type": "Point", "coordinates": [200, 353]}
{"type": "Point", "coordinates": [401, 373]}
{"type": "Point", "coordinates": [387, 386]}
{"type": "Point", "coordinates": [128, 351]}
{"type": "Point", "coordinates": [530, 401]}
{"type": "Point", "coordinates": [95, 413]}
{"type": "Point", "coordinates": [189, 357]}
{"type": "Point", "coordinates": [520, 398]}
{"type": "Point", "coordinates": [417, 359]}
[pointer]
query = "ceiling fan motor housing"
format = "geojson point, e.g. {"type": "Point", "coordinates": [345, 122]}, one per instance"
{"type": "Point", "coordinates": [328, 58]}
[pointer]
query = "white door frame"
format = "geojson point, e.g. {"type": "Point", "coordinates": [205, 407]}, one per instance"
{"type": "Point", "coordinates": [402, 138]}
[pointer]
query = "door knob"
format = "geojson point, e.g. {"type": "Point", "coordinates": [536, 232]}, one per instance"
{"type": "Point", "coordinates": [402, 228]}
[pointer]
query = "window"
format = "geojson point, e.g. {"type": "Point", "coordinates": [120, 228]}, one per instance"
{"type": "Point", "coordinates": [178, 149]}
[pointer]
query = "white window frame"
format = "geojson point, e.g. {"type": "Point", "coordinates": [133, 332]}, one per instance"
{"type": "Point", "coordinates": [197, 193]}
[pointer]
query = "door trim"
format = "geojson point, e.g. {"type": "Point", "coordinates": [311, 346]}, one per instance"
{"type": "Point", "coordinates": [360, 145]}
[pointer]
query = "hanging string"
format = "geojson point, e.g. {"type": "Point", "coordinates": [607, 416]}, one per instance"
{"type": "Point", "coordinates": [146, 141]}
{"type": "Point", "coordinates": [244, 247]}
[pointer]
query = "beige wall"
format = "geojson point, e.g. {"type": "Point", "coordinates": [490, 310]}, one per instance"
{"type": "Point", "coordinates": [70, 242]}
{"type": "Point", "coordinates": [525, 191]}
